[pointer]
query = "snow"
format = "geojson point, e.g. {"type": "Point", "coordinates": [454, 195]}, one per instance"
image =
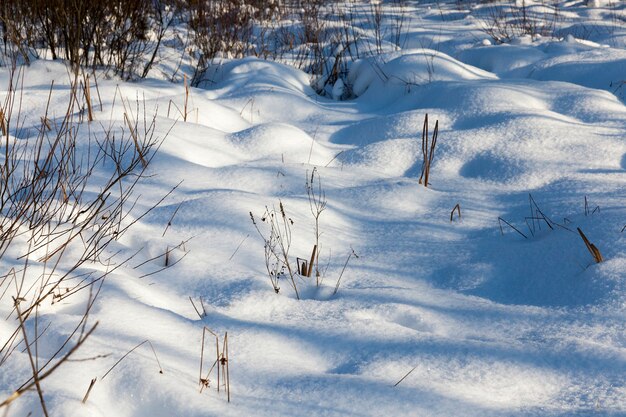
{"type": "Point", "coordinates": [488, 323]}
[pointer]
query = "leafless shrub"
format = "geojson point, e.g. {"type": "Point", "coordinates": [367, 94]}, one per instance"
{"type": "Point", "coordinates": [505, 19]}
{"type": "Point", "coordinates": [376, 22]}
{"type": "Point", "coordinates": [112, 35]}
{"type": "Point", "coordinates": [55, 220]}
{"type": "Point", "coordinates": [220, 27]}
{"type": "Point", "coordinates": [318, 36]}
{"type": "Point", "coordinates": [399, 16]}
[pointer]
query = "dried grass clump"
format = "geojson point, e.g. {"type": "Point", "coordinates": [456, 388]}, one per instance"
{"type": "Point", "coordinates": [221, 364]}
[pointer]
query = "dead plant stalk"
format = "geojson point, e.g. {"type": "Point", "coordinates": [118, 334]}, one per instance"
{"type": "Point", "coordinates": [428, 150]}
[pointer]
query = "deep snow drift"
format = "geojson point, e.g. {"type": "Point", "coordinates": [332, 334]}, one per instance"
{"type": "Point", "coordinates": [487, 323]}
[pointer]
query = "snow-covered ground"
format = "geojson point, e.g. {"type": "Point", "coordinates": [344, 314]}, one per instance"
{"type": "Point", "coordinates": [473, 318]}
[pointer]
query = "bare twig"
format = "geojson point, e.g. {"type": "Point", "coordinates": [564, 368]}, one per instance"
{"type": "Point", "coordinates": [34, 369]}
{"type": "Point", "coordinates": [238, 246]}
{"type": "Point", "coordinates": [169, 222]}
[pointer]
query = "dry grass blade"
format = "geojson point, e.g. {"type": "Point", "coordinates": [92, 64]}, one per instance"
{"type": "Point", "coordinates": [456, 208]}
{"type": "Point", "coordinates": [204, 382]}
{"type": "Point", "coordinates": [431, 154]}
{"type": "Point", "coordinates": [424, 146]}
{"type": "Point", "coordinates": [87, 92]}
{"type": "Point", "coordinates": [312, 261]}
{"type": "Point", "coordinates": [3, 124]}
{"type": "Point", "coordinates": [238, 246]}
{"type": "Point", "coordinates": [45, 122]}
{"type": "Point", "coordinates": [595, 252]}
{"type": "Point", "coordinates": [186, 98]}
{"type": "Point", "coordinates": [169, 222]}
{"type": "Point", "coordinates": [303, 266]}
{"type": "Point", "coordinates": [404, 377]}
{"type": "Point", "coordinates": [133, 134]}
{"type": "Point", "coordinates": [201, 315]}
{"type": "Point", "coordinates": [93, 382]}
{"type": "Point", "coordinates": [317, 204]}
{"type": "Point", "coordinates": [131, 351]}
{"type": "Point", "coordinates": [501, 220]}
{"type": "Point", "coordinates": [536, 217]}
{"type": "Point", "coordinates": [224, 362]}
{"type": "Point", "coordinates": [428, 150]}
{"type": "Point", "coordinates": [333, 158]}
{"type": "Point", "coordinates": [352, 253]}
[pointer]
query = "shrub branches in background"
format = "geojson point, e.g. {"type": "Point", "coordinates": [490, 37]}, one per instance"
{"type": "Point", "coordinates": [320, 37]}
{"type": "Point", "coordinates": [115, 35]}
{"type": "Point", "coordinates": [505, 19]}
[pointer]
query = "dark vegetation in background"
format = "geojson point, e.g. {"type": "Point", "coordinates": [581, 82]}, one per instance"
{"type": "Point", "coordinates": [125, 37]}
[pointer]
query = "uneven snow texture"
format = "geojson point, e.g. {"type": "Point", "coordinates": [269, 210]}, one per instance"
{"type": "Point", "coordinates": [487, 323]}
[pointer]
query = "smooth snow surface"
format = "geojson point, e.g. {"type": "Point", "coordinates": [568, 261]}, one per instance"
{"type": "Point", "coordinates": [489, 323]}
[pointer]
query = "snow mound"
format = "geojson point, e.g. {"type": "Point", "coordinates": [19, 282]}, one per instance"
{"type": "Point", "coordinates": [500, 59]}
{"type": "Point", "coordinates": [279, 140]}
{"type": "Point", "coordinates": [390, 157]}
{"type": "Point", "coordinates": [255, 74]}
{"type": "Point", "coordinates": [402, 125]}
{"type": "Point", "coordinates": [571, 60]}
{"type": "Point", "coordinates": [601, 68]}
{"type": "Point", "coordinates": [411, 68]}
{"type": "Point", "coordinates": [490, 167]}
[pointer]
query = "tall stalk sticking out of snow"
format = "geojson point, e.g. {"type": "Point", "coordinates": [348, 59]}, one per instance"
{"type": "Point", "coordinates": [428, 150]}
{"type": "Point", "coordinates": [350, 255]}
{"type": "Point", "coordinates": [277, 246]}
{"type": "Point", "coordinates": [317, 203]}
